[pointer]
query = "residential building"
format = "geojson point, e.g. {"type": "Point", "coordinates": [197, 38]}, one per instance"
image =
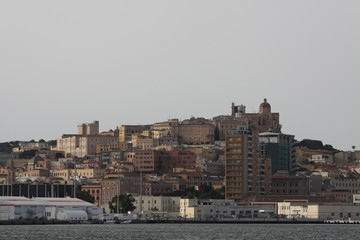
{"type": "Point", "coordinates": [344, 157]}
{"type": "Point", "coordinates": [157, 204]}
{"type": "Point", "coordinates": [304, 155]}
{"type": "Point", "coordinates": [352, 186]}
{"type": "Point", "coordinates": [120, 183]}
{"type": "Point", "coordinates": [68, 174]}
{"type": "Point", "coordinates": [289, 185]}
{"type": "Point", "coordinates": [322, 158]}
{"type": "Point", "coordinates": [196, 131]}
{"type": "Point", "coordinates": [26, 146]}
{"type": "Point", "coordinates": [158, 187]}
{"type": "Point", "coordinates": [5, 158]}
{"type": "Point", "coordinates": [142, 142]}
{"type": "Point", "coordinates": [95, 191]}
{"type": "Point", "coordinates": [126, 131]}
{"type": "Point", "coordinates": [177, 159]}
{"type": "Point", "coordinates": [147, 161]}
{"type": "Point", "coordinates": [168, 129]}
{"type": "Point", "coordinates": [110, 147]}
{"type": "Point", "coordinates": [247, 172]}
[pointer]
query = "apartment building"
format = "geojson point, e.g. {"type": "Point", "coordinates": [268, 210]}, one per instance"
{"type": "Point", "coordinates": [247, 172]}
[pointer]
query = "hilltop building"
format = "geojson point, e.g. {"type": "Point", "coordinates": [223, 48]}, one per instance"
{"type": "Point", "coordinates": [263, 121]}
{"type": "Point", "coordinates": [85, 142]}
{"type": "Point", "coordinates": [88, 128]}
{"type": "Point", "coordinates": [126, 131]}
{"type": "Point", "coordinates": [196, 131]}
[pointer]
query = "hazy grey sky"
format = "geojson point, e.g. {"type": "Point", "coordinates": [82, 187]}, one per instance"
{"type": "Point", "coordinates": [130, 62]}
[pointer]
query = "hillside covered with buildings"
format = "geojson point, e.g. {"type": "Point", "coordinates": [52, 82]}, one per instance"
{"type": "Point", "coordinates": [241, 158]}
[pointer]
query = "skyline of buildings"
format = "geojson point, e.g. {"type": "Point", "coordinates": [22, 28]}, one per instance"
{"type": "Point", "coordinates": [229, 122]}
{"type": "Point", "coordinates": [245, 154]}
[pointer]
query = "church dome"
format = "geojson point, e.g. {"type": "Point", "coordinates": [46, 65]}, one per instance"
{"type": "Point", "coordinates": [265, 107]}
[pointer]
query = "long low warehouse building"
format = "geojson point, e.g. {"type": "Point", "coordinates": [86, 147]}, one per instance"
{"type": "Point", "coordinates": [68, 209]}
{"type": "Point", "coordinates": [20, 208]}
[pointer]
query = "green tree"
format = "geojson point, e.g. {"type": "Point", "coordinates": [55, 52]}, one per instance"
{"type": "Point", "coordinates": [52, 142]}
{"type": "Point", "coordinates": [205, 192]}
{"type": "Point", "coordinates": [8, 146]}
{"type": "Point", "coordinates": [41, 141]}
{"type": "Point", "coordinates": [316, 145]}
{"type": "Point", "coordinates": [84, 195]}
{"type": "Point", "coordinates": [28, 154]}
{"type": "Point", "coordinates": [126, 203]}
{"type": "Point", "coordinates": [311, 144]}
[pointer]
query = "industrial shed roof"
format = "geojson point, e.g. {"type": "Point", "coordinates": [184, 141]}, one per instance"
{"type": "Point", "coordinates": [64, 202]}
{"type": "Point", "coordinates": [13, 201]}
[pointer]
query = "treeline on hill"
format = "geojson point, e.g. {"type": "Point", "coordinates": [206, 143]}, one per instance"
{"type": "Point", "coordinates": [316, 145]}
{"type": "Point", "coordinates": [205, 192]}
{"type": "Point", "coordinates": [6, 147]}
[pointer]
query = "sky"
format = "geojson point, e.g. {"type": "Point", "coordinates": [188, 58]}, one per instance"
{"type": "Point", "coordinates": [139, 62]}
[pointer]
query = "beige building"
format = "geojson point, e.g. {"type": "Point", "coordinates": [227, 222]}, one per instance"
{"type": "Point", "coordinates": [88, 128]}
{"type": "Point", "coordinates": [324, 211]}
{"type": "Point", "coordinates": [221, 209]}
{"type": "Point", "coordinates": [67, 174]}
{"type": "Point", "coordinates": [109, 147]}
{"type": "Point", "coordinates": [304, 155]}
{"type": "Point", "coordinates": [196, 131]}
{"type": "Point", "coordinates": [142, 142]}
{"type": "Point", "coordinates": [81, 146]}
{"type": "Point", "coordinates": [35, 173]}
{"type": "Point", "coordinates": [264, 120]}
{"type": "Point", "coordinates": [157, 204]}
{"type": "Point", "coordinates": [165, 129]}
{"type": "Point", "coordinates": [126, 131]}
{"type": "Point", "coordinates": [26, 146]}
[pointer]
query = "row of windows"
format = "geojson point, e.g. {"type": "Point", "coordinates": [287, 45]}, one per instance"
{"type": "Point", "coordinates": [234, 144]}
{"type": "Point", "coordinates": [233, 184]}
{"type": "Point", "coordinates": [354, 184]}
{"type": "Point", "coordinates": [233, 167]}
{"type": "Point", "coordinates": [234, 139]}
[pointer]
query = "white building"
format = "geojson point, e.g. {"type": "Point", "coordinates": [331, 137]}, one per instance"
{"type": "Point", "coordinates": [83, 145]}
{"type": "Point", "coordinates": [22, 208]}
{"type": "Point", "coordinates": [221, 209]}
{"type": "Point", "coordinates": [16, 208]}
{"type": "Point", "coordinates": [158, 204]}
{"type": "Point", "coordinates": [324, 211]}
{"type": "Point", "coordinates": [322, 158]}
{"type": "Point", "coordinates": [70, 209]}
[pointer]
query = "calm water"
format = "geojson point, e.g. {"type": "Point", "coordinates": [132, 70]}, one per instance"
{"type": "Point", "coordinates": [181, 231]}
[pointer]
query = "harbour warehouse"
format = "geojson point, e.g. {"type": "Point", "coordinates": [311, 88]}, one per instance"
{"type": "Point", "coordinates": [66, 209]}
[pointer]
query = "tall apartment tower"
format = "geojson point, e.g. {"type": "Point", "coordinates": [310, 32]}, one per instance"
{"type": "Point", "coordinates": [88, 128]}
{"type": "Point", "coordinates": [247, 170]}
